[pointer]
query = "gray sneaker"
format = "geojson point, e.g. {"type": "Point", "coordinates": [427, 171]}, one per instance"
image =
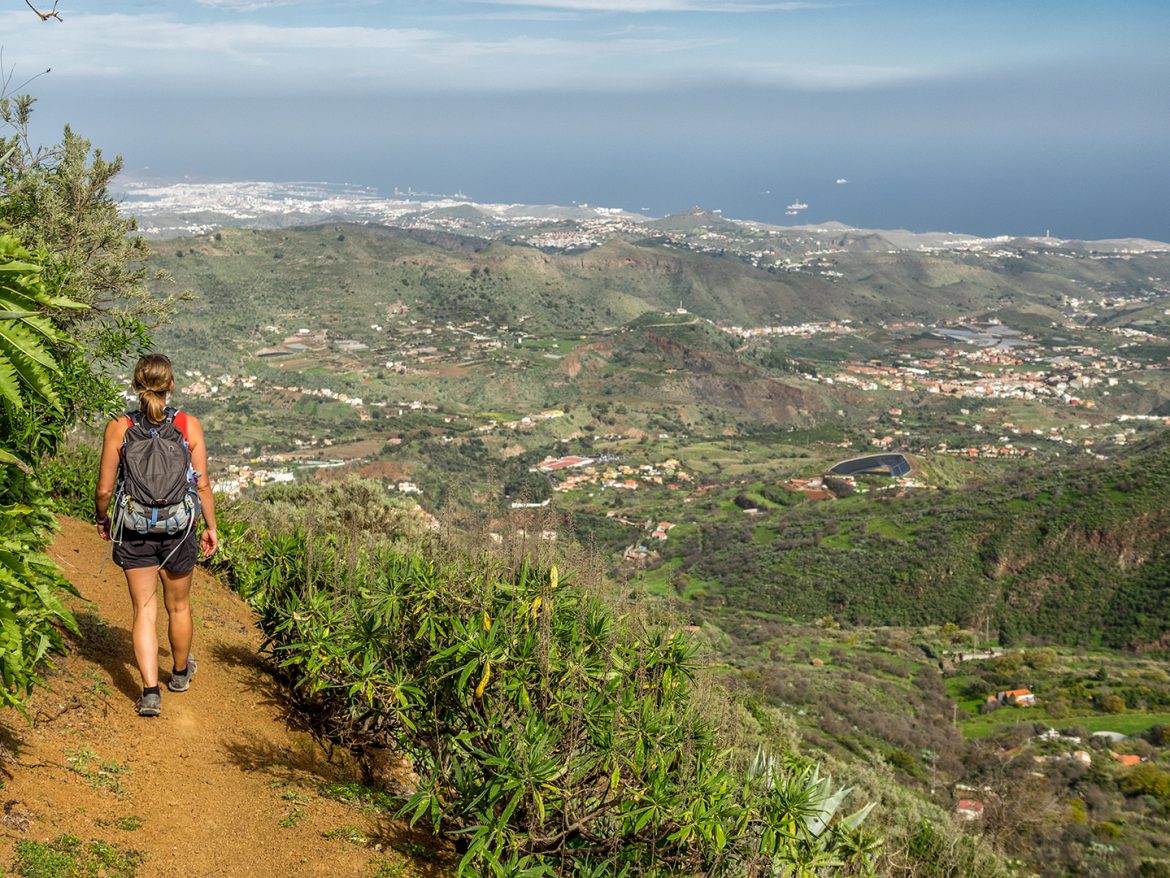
{"type": "Point", "coordinates": [149, 704]}
{"type": "Point", "coordinates": [180, 682]}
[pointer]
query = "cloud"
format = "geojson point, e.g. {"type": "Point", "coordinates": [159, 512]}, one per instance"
{"type": "Point", "coordinates": [242, 5]}
{"type": "Point", "coordinates": [828, 77]}
{"type": "Point", "coordinates": [639, 6]}
{"type": "Point", "coordinates": [156, 52]}
{"type": "Point", "coordinates": [160, 37]}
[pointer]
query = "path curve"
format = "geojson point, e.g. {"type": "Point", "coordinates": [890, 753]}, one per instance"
{"type": "Point", "coordinates": [221, 784]}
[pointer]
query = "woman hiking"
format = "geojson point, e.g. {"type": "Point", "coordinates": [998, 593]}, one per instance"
{"type": "Point", "coordinates": [152, 487]}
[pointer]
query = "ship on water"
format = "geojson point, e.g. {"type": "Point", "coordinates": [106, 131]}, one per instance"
{"type": "Point", "coordinates": [797, 205]}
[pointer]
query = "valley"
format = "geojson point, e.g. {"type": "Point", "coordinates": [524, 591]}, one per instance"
{"type": "Point", "coordinates": [457, 371]}
{"type": "Point", "coordinates": [675, 403]}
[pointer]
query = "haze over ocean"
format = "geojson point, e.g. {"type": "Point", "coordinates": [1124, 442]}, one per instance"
{"type": "Point", "coordinates": [987, 119]}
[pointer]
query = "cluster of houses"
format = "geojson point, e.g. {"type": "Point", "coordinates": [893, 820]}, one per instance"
{"type": "Point", "coordinates": [800, 330]}
{"type": "Point", "coordinates": [640, 554]}
{"type": "Point", "coordinates": [620, 477]}
{"type": "Point", "coordinates": [970, 808]}
{"type": "Point", "coordinates": [924, 376]}
{"type": "Point", "coordinates": [207, 385]}
{"type": "Point", "coordinates": [235, 478]}
{"type": "Point", "coordinates": [523, 423]}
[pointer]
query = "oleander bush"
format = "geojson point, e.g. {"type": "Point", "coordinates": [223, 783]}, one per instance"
{"type": "Point", "coordinates": [551, 733]}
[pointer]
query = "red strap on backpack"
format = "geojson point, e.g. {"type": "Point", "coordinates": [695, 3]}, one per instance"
{"type": "Point", "coordinates": [180, 422]}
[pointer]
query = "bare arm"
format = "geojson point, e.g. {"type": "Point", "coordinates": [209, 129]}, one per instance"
{"type": "Point", "coordinates": [210, 538]}
{"type": "Point", "coordinates": [108, 474]}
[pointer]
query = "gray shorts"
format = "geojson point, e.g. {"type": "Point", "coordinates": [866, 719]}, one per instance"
{"type": "Point", "coordinates": [148, 550]}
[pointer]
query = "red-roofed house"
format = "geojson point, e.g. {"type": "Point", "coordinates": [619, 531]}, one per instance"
{"type": "Point", "coordinates": [969, 809]}
{"type": "Point", "coordinates": [549, 464]}
{"type": "Point", "coordinates": [1016, 697]}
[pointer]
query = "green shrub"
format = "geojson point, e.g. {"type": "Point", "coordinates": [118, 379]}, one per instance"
{"type": "Point", "coordinates": [550, 734]}
{"type": "Point", "coordinates": [1111, 703]}
{"type": "Point", "coordinates": [354, 508]}
{"type": "Point", "coordinates": [31, 612]}
{"type": "Point", "coordinates": [935, 851]}
{"type": "Point", "coordinates": [1146, 780]}
{"type": "Point", "coordinates": [70, 477]}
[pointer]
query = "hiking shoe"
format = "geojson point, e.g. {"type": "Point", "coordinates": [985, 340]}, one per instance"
{"type": "Point", "coordinates": [180, 682]}
{"type": "Point", "coordinates": [149, 704]}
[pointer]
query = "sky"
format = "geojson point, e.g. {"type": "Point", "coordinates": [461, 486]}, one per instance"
{"type": "Point", "coordinates": [978, 116]}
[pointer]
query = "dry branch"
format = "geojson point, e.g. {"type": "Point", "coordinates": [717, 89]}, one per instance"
{"type": "Point", "coordinates": [45, 16]}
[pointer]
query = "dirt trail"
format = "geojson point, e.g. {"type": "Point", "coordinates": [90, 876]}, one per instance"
{"type": "Point", "coordinates": [221, 784]}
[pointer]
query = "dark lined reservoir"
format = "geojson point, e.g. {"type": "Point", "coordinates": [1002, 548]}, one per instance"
{"type": "Point", "coordinates": [894, 465]}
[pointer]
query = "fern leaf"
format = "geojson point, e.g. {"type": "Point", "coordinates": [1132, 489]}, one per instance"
{"type": "Point", "coordinates": [21, 341]}
{"type": "Point", "coordinates": [9, 385]}
{"type": "Point", "coordinates": [9, 459]}
{"type": "Point", "coordinates": [28, 372]}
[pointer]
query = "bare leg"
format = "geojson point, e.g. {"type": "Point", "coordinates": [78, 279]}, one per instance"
{"type": "Point", "coordinates": [143, 584]}
{"type": "Point", "coordinates": [177, 597]}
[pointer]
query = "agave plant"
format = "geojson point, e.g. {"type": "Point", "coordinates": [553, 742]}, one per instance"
{"type": "Point", "coordinates": [801, 830]}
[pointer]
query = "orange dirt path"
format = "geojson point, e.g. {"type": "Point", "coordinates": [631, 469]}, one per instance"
{"type": "Point", "coordinates": [222, 783]}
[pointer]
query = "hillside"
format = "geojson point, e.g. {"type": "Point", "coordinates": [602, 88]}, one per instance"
{"type": "Point", "coordinates": [1075, 553]}
{"type": "Point", "coordinates": [246, 278]}
{"type": "Point", "coordinates": [223, 783]}
{"type": "Point", "coordinates": [451, 367]}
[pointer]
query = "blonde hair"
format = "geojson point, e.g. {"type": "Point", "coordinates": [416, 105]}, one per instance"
{"type": "Point", "coordinates": [153, 377]}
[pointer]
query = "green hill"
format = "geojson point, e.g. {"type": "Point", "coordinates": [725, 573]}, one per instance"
{"type": "Point", "coordinates": [247, 277]}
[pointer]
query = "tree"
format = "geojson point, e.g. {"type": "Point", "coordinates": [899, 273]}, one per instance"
{"type": "Point", "coordinates": [56, 201]}
{"type": "Point", "coordinates": [73, 304]}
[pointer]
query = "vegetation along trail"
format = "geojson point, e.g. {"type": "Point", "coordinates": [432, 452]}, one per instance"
{"type": "Point", "coordinates": [221, 784]}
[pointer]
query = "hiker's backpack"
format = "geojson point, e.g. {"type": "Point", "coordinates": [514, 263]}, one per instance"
{"type": "Point", "coordinates": [156, 483]}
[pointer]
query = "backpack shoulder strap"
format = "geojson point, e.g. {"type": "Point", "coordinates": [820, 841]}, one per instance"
{"type": "Point", "coordinates": [180, 421]}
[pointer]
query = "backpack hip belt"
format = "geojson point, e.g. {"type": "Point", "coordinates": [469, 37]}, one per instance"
{"type": "Point", "coordinates": [130, 515]}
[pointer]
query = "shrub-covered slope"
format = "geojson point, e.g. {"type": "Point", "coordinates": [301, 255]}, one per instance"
{"type": "Point", "coordinates": [554, 732]}
{"type": "Point", "coordinates": [1078, 553]}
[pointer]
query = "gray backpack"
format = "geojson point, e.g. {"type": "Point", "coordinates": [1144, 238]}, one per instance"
{"type": "Point", "coordinates": [156, 485]}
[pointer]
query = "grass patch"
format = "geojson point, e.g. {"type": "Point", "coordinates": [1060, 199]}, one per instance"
{"type": "Point", "coordinates": [1126, 724]}
{"type": "Point", "coordinates": [838, 541]}
{"type": "Point", "coordinates": [352, 834]}
{"type": "Point", "coordinates": [295, 815]}
{"type": "Point", "coordinates": [657, 581]}
{"type": "Point", "coordinates": [360, 796]}
{"type": "Point", "coordinates": [70, 857]}
{"type": "Point", "coordinates": [101, 774]}
{"type": "Point", "coordinates": [886, 528]}
{"type": "Point", "coordinates": [126, 824]}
